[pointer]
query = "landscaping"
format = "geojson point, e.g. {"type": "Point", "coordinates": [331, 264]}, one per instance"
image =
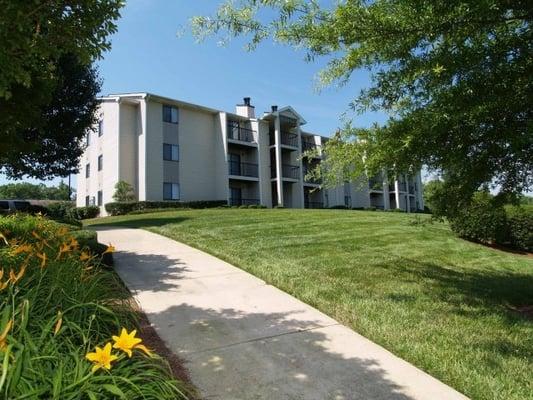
{"type": "Point", "coordinates": [68, 328]}
{"type": "Point", "coordinates": [456, 309]}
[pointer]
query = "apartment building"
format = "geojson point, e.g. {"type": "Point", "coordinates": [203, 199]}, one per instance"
{"type": "Point", "coordinates": [172, 150]}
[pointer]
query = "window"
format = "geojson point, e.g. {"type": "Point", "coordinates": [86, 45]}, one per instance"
{"type": "Point", "coordinates": [87, 201]}
{"type": "Point", "coordinates": [87, 170]}
{"type": "Point", "coordinates": [100, 197]}
{"type": "Point", "coordinates": [100, 162]}
{"type": "Point", "coordinates": [100, 127]}
{"type": "Point", "coordinates": [170, 114]}
{"type": "Point", "coordinates": [171, 191]}
{"type": "Point", "coordinates": [170, 152]}
{"type": "Point", "coordinates": [88, 139]}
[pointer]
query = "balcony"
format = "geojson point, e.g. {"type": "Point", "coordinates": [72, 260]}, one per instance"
{"type": "Point", "coordinates": [308, 146]}
{"type": "Point", "coordinates": [238, 132]}
{"type": "Point", "coordinates": [411, 189]}
{"type": "Point", "coordinates": [243, 169]}
{"type": "Point", "coordinates": [287, 139]}
{"type": "Point", "coordinates": [313, 204]}
{"type": "Point", "coordinates": [287, 171]}
{"type": "Point", "coordinates": [243, 202]}
{"type": "Point", "coordinates": [401, 187]}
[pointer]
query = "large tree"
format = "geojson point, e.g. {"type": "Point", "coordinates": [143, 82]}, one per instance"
{"type": "Point", "coordinates": [454, 78]}
{"type": "Point", "coordinates": [46, 51]}
{"type": "Point", "coordinates": [51, 139]}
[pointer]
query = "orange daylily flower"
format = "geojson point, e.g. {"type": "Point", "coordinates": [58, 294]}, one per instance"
{"type": "Point", "coordinates": [14, 278]}
{"type": "Point", "coordinates": [110, 249]}
{"type": "Point", "coordinates": [3, 336]}
{"type": "Point", "coordinates": [84, 256]}
{"type": "Point", "coordinates": [58, 323]}
{"type": "Point", "coordinates": [73, 244]}
{"type": "Point", "coordinates": [23, 248]}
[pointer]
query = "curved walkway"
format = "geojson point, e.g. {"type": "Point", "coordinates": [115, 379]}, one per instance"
{"type": "Point", "coordinates": [244, 339]}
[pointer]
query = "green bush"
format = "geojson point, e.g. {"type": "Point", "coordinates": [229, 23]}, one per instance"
{"type": "Point", "coordinates": [85, 212]}
{"type": "Point", "coordinates": [482, 221]}
{"type": "Point", "coordinates": [56, 306]}
{"type": "Point", "coordinates": [60, 210]}
{"type": "Point", "coordinates": [122, 208]}
{"type": "Point", "coordinates": [520, 227]}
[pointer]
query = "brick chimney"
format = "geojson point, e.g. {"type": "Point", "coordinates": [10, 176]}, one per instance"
{"type": "Point", "coordinates": [246, 109]}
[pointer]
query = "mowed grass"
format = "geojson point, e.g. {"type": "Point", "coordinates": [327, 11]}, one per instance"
{"type": "Point", "coordinates": [444, 304]}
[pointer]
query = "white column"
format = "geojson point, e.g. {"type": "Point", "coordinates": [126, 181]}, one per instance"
{"type": "Point", "coordinates": [279, 179]}
{"type": "Point", "coordinates": [300, 163]}
{"type": "Point", "coordinates": [255, 126]}
{"type": "Point", "coordinates": [142, 151]}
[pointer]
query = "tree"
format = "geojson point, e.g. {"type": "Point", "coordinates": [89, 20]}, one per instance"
{"type": "Point", "coordinates": [433, 195]}
{"type": "Point", "coordinates": [123, 192]}
{"type": "Point", "coordinates": [454, 78]}
{"type": "Point", "coordinates": [47, 84]}
{"type": "Point", "coordinates": [29, 191]}
{"type": "Point", "coordinates": [51, 144]}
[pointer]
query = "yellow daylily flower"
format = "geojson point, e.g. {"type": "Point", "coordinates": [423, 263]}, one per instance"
{"type": "Point", "coordinates": [3, 285]}
{"type": "Point", "coordinates": [23, 248]}
{"type": "Point", "coordinates": [110, 249]}
{"type": "Point", "coordinates": [127, 342]}
{"type": "Point", "coordinates": [3, 336]}
{"type": "Point", "coordinates": [84, 256]}
{"type": "Point", "coordinates": [14, 278]}
{"type": "Point", "coordinates": [43, 258]}
{"type": "Point", "coordinates": [102, 358]}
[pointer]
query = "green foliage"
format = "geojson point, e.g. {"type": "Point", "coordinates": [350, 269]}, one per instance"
{"type": "Point", "coordinates": [435, 197]}
{"type": "Point", "coordinates": [453, 77]}
{"type": "Point", "coordinates": [87, 212]}
{"type": "Point", "coordinates": [123, 192]}
{"type": "Point", "coordinates": [483, 221]}
{"type": "Point", "coordinates": [61, 308]}
{"type": "Point", "coordinates": [30, 191]}
{"type": "Point", "coordinates": [520, 227]}
{"type": "Point", "coordinates": [43, 128]}
{"type": "Point", "coordinates": [121, 208]}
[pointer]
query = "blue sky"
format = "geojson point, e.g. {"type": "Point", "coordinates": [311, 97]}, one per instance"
{"type": "Point", "coordinates": [148, 55]}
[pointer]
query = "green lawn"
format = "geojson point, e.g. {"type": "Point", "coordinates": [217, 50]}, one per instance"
{"type": "Point", "coordinates": [444, 304]}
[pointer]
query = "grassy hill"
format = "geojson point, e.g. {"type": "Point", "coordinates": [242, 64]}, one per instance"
{"type": "Point", "coordinates": [451, 307]}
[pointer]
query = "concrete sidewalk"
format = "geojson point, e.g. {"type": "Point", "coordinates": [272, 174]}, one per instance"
{"type": "Point", "coordinates": [244, 339]}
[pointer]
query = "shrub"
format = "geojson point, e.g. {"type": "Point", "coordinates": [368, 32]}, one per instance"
{"type": "Point", "coordinates": [339, 207]}
{"type": "Point", "coordinates": [520, 227]}
{"type": "Point", "coordinates": [59, 210]}
{"type": "Point", "coordinates": [371, 208]}
{"type": "Point", "coordinates": [85, 212]}
{"type": "Point", "coordinates": [121, 208]}
{"type": "Point", "coordinates": [482, 221]}
{"type": "Point", "coordinates": [123, 192]}
{"type": "Point", "coordinates": [56, 305]}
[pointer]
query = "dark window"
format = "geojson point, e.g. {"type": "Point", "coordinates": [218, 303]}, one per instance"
{"type": "Point", "coordinates": [100, 162]}
{"type": "Point", "coordinates": [170, 114]}
{"type": "Point", "coordinates": [4, 205]}
{"type": "Point", "coordinates": [100, 128]}
{"type": "Point", "coordinates": [87, 201]}
{"type": "Point", "coordinates": [87, 170]}
{"type": "Point", "coordinates": [170, 152]}
{"type": "Point", "coordinates": [88, 138]}
{"type": "Point", "coordinates": [100, 197]}
{"type": "Point", "coordinates": [171, 191]}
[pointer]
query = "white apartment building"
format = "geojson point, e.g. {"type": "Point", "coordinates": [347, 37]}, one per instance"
{"type": "Point", "coordinates": [172, 150]}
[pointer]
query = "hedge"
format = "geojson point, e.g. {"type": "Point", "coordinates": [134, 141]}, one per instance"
{"type": "Point", "coordinates": [121, 208]}
{"type": "Point", "coordinates": [486, 221]}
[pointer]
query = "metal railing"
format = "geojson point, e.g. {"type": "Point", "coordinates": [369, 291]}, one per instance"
{"type": "Point", "coordinates": [411, 189]}
{"type": "Point", "coordinates": [238, 132]}
{"type": "Point", "coordinates": [289, 139]}
{"type": "Point", "coordinates": [313, 204]}
{"type": "Point", "coordinates": [243, 169]}
{"type": "Point", "coordinates": [401, 187]}
{"type": "Point", "coordinates": [308, 146]}
{"type": "Point", "coordinates": [287, 171]}
{"type": "Point", "coordinates": [243, 202]}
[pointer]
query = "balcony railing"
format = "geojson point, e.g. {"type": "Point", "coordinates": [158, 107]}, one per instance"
{"type": "Point", "coordinates": [289, 139]}
{"type": "Point", "coordinates": [401, 187]}
{"type": "Point", "coordinates": [287, 171]}
{"type": "Point", "coordinates": [243, 202]}
{"type": "Point", "coordinates": [411, 189]}
{"type": "Point", "coordinates": [313, 204]}
{"type": "Point", "coordinates": [308, 146]}
{"type": "Point", "coordinates": [238, 132]}
{"type": "Point", "coordinates": [243, 169]}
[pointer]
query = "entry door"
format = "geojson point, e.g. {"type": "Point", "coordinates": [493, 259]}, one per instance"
{"type": "Point", "coordinates": [234, 164]}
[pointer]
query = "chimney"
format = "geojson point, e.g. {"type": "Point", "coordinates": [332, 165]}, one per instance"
{"type": "Point", "coordinates": [274, 108]}
{"type": "Point", "coordinates": [246, 109]}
